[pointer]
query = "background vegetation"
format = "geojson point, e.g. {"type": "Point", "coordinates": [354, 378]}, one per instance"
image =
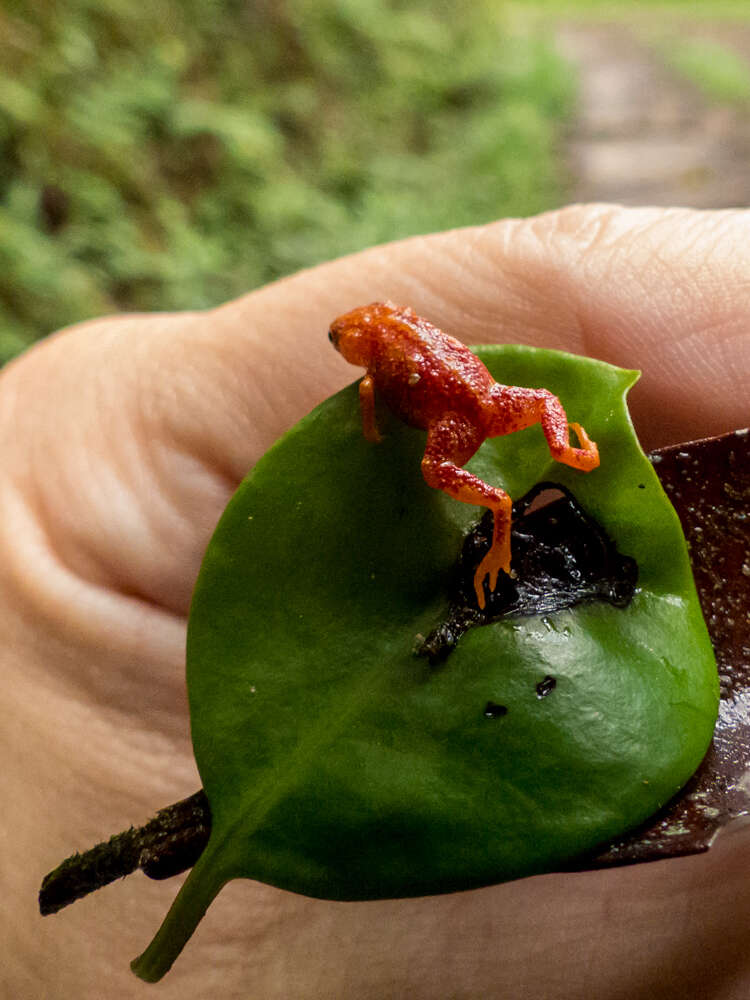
{"type": "Point", "coordinates": [177, 153]}
{"type": "Point", "coordinates": [174, 154]}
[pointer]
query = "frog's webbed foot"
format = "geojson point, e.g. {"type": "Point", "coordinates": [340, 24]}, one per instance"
{"type": "Point", "coordinates": [555, 427]}
{"type": "Point", "coordinates": [496, 558]}
{"type": "Point", "coordinates": [586, 457]}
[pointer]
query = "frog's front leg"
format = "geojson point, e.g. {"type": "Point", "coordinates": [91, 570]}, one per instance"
{"type": "Point", "coordinates": [367, 409]}
{"type": "Point", "coordinates": [451, 441]}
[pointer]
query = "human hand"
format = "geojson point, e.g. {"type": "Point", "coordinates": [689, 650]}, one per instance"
{"type": "Point", "coordinates": [123, 439]}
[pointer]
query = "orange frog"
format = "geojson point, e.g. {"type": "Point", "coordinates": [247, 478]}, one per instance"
{"type": "Point", "coordinates": [433, 381]}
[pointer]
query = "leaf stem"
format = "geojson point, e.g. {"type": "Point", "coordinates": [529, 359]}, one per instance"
{"type": "Point", "coordinates": [201, 887]}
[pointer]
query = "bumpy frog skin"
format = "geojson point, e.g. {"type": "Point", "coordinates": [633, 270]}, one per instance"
{"type": "Point", "coordinates": [432, 381]}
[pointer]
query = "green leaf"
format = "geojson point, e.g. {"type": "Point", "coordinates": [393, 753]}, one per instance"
{"type": "Point", "coordinates": [337, 763]}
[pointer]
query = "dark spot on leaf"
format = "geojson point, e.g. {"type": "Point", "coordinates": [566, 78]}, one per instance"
{"type": "Point", "coordinates": [544, 686]}
{"type": "Point", "coordinates": [641, 486]}
{"type": "Point", "coordinates": [494, 711]}
{"type": "Point", "coordinates": [560, 558]}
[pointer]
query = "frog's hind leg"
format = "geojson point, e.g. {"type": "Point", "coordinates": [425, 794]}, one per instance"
{"type": "Point", "coordinates": [451, 441]}
{"type": "Point", "coordinates": [516, 408]}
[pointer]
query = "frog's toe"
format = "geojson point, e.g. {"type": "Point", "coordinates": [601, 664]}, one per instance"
{"type": "Point", "coordinates": [493, 562]}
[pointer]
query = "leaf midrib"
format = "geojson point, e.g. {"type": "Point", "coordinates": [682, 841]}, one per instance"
{"type": "Point", "coordinates": [292, 771]}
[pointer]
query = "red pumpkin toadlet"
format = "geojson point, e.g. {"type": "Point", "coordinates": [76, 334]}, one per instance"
{"type": "Point", "coordinates": [432, 381]}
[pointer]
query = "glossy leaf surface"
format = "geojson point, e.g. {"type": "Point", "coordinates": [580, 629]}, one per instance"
{"type": "Point", "coordinates": [337, 763]}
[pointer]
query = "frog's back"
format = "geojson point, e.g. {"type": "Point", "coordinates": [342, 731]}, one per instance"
{"type": "Point", "coordinates": [423, 373]}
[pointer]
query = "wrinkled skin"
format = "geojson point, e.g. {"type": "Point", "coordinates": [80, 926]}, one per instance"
{"type": "Point", "coordinates": [122, 440]}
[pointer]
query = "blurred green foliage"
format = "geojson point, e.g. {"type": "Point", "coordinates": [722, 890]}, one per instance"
{"type": "Point", "coordinates": [721, 74]}
{"type": "Point", "coordinates": [697, 10]}
{"type": "Point", "coordinates": [175, 154]}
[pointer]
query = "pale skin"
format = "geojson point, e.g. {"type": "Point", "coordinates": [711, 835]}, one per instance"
{"type": "Point", "coordinates": [123, 439]}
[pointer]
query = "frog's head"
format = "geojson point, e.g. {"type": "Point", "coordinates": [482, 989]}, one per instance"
{"type": "Point", "coordinates": [356, 334]}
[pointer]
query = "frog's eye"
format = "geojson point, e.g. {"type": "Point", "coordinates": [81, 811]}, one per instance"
{"type": "Point", "coordinates": [330, 336]}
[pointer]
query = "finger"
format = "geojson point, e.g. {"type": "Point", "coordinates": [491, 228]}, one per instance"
{"type": "Point", "coordinates": [184, 405]}
{"type": "Point", "coordinates": [664, 291]}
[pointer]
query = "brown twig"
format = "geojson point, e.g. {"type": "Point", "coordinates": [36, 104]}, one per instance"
{"type": "Point", "coordinates": [168, 844]}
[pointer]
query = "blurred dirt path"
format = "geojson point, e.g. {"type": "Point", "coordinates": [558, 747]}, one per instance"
{"type": "Point", "coordinates": [645, 136]}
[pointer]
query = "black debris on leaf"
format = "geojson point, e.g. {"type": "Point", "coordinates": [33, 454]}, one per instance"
{"type": "Point", "coordinates": [545, 686]}
{"type": "Point", "coordinates": [494, 711]}
{"type": "Point", "coordinates": [560, 557]}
